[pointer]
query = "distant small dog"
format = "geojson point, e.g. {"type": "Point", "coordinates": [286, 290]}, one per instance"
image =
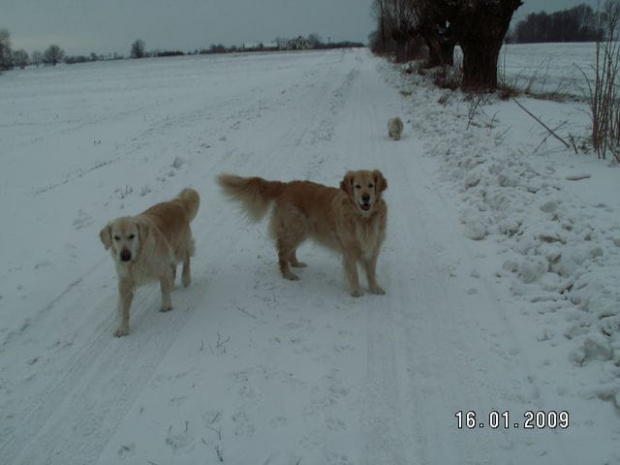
{"type": "Point", "coordinates": [350, 220]}
{"type": "Point", "coordinates": [395, 128]}
{"type": "Point", "coordinates": [148, 247]}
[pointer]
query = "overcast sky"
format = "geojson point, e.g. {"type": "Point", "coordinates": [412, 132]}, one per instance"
{"type": "Point", "coordinates": [108, 26]}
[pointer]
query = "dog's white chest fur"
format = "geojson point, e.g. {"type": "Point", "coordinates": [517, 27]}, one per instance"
{"type": "Point", "coordinates": [368, 235]}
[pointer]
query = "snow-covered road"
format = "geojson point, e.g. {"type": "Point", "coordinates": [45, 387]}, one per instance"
{"type": "Point", "coordinates": [249, 368]}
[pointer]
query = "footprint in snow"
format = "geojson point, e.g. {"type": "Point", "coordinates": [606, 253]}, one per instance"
{"type": "Point", "coordinates": [127, 450]}
{"type": "Point", "coordinates": [278, 422]}
{"type": "Point", "coordinates": [82, 220]}
{"type": "Point", "coordinates": [182, 440]}
{"type": "Point", "coordinates": [244, 427]}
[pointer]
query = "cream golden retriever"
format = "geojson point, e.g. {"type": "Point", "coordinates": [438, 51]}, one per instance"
{"type": "Point", "coordinates": [148, 247]}
{"type": "Point", "coordinates": [350, 220]}
{"type": "Point", "coordinates": [395, 128]}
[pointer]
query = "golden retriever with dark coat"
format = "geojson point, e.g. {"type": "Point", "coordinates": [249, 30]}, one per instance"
{"type": "Point", "coordinates": [350, 220]}
{"type": "Point", "coordinates": [148, 247]}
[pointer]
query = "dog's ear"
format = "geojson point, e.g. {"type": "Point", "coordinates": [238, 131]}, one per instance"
{"type": "Point", "coordinates": [347, 182]}
{"type": "Point", "coordinates": [380, 181]}
{"type": "Point", "coordinates": [144, 231]}
{"type": "Point", "coordinates": [106, 236]}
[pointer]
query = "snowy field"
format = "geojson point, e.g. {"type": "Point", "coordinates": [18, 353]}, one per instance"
{"type": "Point", "coordinates": [548, 68]}
{"type": "Point", "coordinates": [501, 266]}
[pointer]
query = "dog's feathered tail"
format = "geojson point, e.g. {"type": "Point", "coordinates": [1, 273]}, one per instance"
{"type": "Point", "coordinates": [255, 194]}
{"type": "Point", "coordinates": [191, 201]}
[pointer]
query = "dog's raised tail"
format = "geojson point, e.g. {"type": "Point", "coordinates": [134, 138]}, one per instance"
{"type": "Point", "coordinates": [191, 201]}
{"type": "Point", "coordinates": [255, 194]}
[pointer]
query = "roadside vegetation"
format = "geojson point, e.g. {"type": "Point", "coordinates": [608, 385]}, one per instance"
{"type": "Point", "coordinates": [457, 44]}
{"type": "Point", "coordinates": [430, 30]}
{"type": "Point", "coordinates": [604, 88]}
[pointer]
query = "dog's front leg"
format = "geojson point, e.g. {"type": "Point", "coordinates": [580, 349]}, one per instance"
{"type": "Point", "coordinates": [173, 270]}
{"type": "Point", "coordinates": [370, 265]}
{"type": "Point", "coordinates": [125, 296]}
{"type": "Point", "coordinates": [350, 268]}
{"type": "Point", "coordinates": [166, 283]}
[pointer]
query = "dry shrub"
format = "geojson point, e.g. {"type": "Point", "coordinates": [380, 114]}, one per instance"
{"type": "Point", "coordinates": [448, 77]}
{"type": "Point", "coordinates": [604, 90]}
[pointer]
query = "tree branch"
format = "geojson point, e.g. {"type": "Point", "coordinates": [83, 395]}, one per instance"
{"type": "Point", "coordinates": [541, 123]}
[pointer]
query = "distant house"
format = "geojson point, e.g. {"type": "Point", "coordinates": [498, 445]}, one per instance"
{"type": "Point", "coordinates": [300, 43]}
{"type": "Point", "coordinates": [252, 46]}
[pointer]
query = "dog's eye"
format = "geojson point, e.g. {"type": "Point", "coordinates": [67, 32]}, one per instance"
{"type": "Point", "coordinates": [370, 186]}
{"type": "Point", "coordinates": [357, 186]}
{"type": "Point", "coordinates": [131, 236]}
{"type": "Point", "coordinates": [117, 238]}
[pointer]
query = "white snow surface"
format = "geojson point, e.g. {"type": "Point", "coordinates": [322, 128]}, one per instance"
{"type": "Point", "coordinates": [559, 69]}
{"type": "Point", "coordinates": [501, 266]}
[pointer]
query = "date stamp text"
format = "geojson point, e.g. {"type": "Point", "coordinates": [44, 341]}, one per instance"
{"type": "Point", "coordinates": [529, 420]}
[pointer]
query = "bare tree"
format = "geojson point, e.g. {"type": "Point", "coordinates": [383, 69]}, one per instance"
{"type": "Point", "coordinates": [5, 50]}
{"type": "Point", "coordinates": [20, 58]}
{"type": "Point", "coordinates": [315, 40]}
{"type": "Point", "coordinates": [380, 39]}
{"type": "Point", "coordinates": [436, 32]}
{"type": "Point", "coordinates": [282, 42]}
{"type": "Point", "coordinates": [403, 25]}
{"type": "Point", "coordinates": [36, 58]}
{"type": "Point", "coordinates": [53, 55]}
{"type": "Point", "coordinates": [138, 49]}
{"type": "Point", "coordinates": [397, 25]}
{"type": "Point", "coordinates": [479, 26]}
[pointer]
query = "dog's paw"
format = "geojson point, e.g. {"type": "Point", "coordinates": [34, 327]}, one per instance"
{"type": "Point", "coordinates": [290, 276]}
{"type": "Point", "coordinates": [377, 290]}
{"type": "Point", "coordinates": [356, 293]}
{"type": "Point", "coordinates": [165, 308]}
{"type": "Point", "coordinates": [298, 264]}
{"type": "Point", "coordinates": [121, 331]}
{"type": "Point", "coordinates": [186, 280]}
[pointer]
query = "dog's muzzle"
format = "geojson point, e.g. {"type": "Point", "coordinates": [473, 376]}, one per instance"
{"type": "Point", "coordinates": [365, 203]}
{"type": "Point", "coordinates": [125, 255]}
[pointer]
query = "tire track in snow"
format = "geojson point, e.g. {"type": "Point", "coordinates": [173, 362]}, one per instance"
{"type": "Point", "coordinates": [382, 418]}
{"type": "Point", "coordinates": [91, 390]}
{"type": "Point", "coordinates": [420, 328]}
{"type": "Point", "coordinates": [420, 351]}
{"type": "Point", "coordinates": [459, 349]}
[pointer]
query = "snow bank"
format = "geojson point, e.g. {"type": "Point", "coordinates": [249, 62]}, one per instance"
{"type": "Point", "coordinates": [552, 214]}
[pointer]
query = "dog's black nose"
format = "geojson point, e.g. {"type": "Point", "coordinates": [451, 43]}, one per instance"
{"type": "Point", "coordinates": [366, 198]}
{"type": "Point", "coordinates": [125, 255]}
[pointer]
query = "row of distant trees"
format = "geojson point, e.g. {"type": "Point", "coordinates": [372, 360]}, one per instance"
{"type": "Point", "coordinates": [10, 58]}
{"type": "Point", "coordinates": [313, 41]}
{"type": "Point", "coordinates": [54, 54]}
{"type": "Point", "coordinates": [578, 24]}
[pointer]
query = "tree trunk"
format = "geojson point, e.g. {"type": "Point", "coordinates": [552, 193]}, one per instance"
{"type": "Point", "coordinates": [479, 27]}
{"type": "Point", "coordinates": [480, 65]}
{"type": "Point", "coordinates": [401, 50]}
{"type": "Point", "coordinates": [440, 51]}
